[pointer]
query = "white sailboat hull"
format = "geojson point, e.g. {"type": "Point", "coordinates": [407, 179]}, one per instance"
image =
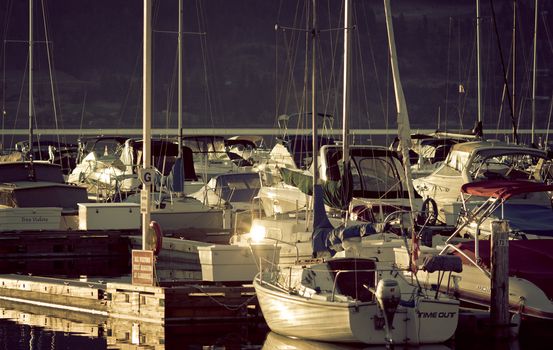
{"type": "Point", "coordinates": [350, 321]}
{"type": "Point", "coordinates": [473, 286]}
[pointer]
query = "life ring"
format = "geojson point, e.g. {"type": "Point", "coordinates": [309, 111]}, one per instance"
{"type": "Point", "coordinates": [158, 236]}
{"type": "Point", "coordinates": [429, 212]}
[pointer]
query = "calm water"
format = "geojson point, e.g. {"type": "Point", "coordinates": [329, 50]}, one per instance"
{"type": "Point", "coordinates": [25, 327]}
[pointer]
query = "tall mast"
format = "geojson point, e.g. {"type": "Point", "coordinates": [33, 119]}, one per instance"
{"type": "Point", "coordinates": [146, 118]}
{"type": "Point", "coordinates": [478, 71]}
{"type": "Point", "coordinates": [534, 66]}
{"type": "Point", "coordinates": [404, 129]}
{"type": "Point", "coordinates": [315, 151]}
{"type": "Point", "coordinates": [514, 56]}
{"type": "Point", "coordinates": [30, 150]}
{"type": "Point", "coordinates": [179, 108]}
{"type": "Point", "coordinates": [347, 70]}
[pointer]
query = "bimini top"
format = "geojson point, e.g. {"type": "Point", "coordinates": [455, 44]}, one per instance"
{"type": "Point", "coordinates": [477, 145]}
{"type": "Point", "coordinates": [503, 189]}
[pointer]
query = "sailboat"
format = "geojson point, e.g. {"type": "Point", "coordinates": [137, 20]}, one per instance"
{"type": "Point", "coordinates": [48, 226]}
{"type": "Point", "coordinates": [33, 195]}
{"type": "Point", "coordinates": [333, 298]}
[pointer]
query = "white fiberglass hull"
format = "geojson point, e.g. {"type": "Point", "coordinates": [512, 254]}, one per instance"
{"type": "Point", "coordinates": [473, 286]}
{"type": "Point", "coordinates": [430, 321]}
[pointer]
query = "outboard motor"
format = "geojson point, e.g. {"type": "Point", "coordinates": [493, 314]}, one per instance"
{"type": "Point", "coordinates": [388, 296]}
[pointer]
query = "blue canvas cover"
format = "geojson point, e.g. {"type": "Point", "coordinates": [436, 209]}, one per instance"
{"type": "Point", "coordinates": [325, 237]}
{"type": "Point", "coordinates": [527, 218]}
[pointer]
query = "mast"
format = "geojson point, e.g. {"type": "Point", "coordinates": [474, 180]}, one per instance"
{"type": "Point", "coordinates": [31, 174]}
{"type": "Point", "coordinates": [347, 72]}
{"type": "Point", "coordinates": [514, 56]}
{"type": "Point", "coordinates": [404, 129]}
{"type": "Point", "coordinates": [179, 103]}
{"type": "Point", "coordinates": [534, 66]}
{"type": "Point", "coordinates": [478, 68]}
{"type": "Point", "coordinates": [315, 145]}
{"type": "Point", "coordinates": [146, 119]}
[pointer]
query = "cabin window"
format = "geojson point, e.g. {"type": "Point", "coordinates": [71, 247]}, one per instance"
{"type": "Point", "coordinates": [376, 178]}
{"type": "Point", "coordinates": [457, 160]}
{"type": "Point", "coordinates": [447, 170]}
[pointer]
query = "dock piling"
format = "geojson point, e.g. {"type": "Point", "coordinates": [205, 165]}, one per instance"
{"type": "Point", "coordinates": [499, 306]}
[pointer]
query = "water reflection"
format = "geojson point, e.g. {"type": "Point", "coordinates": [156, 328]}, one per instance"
{"type": "Point", "coordinates": [25, 327]}
{"type": "Point", "coordinates": [461, 341]}
{"type": "Point", "coordinates": [276, 341]}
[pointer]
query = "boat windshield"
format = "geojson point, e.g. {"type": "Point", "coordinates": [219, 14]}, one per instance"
{"type": "Point", "coordinates": [238, 188]}
{"type": "Point", "coordinates": [377, 177]}
{"type": "Point", "coordinates": [505, 164]}
{"type": "Point", "coordinates": [457, 160]}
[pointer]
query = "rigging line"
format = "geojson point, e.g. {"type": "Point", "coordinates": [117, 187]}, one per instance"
{"type": "Point", "coordinates": [7, 16]}
{"type": "Point", "coordinates": [171, 91]}
{"type": "Point", "coordinates": [298, 41]}
{"type": "Point", "coordinates": [3, 113]}
{"type": "Point", "coordinates": [83, 111]}
{"type": "Point", "coordinates": [122, 108]}
{"type": "Point", "coordinates": [489, 75]}
{"type": "Point", "coordinates": [546, 27]}
{"type": "Point", "coordinates": [277, 63]}
{"type": "Point", "coordinates": [321, 63]}
{"type": "Point", "coordinates": [20, 100]}
{"type": "Point", "coordinates": [324, 85]}
{"type": "Point", "coordinates": [503, 94]}
{"type": "Point", "coordinates": [375, 68]}
{"type": "Point", "coordinates": [203, 45]}
{"type": "Point", "coordinates": [460, 93]}
{"type": "Point", "coordinates": [523, 95]}
{"type": "Point", "coordinates": [514, 65]}
{"type": "Point", "coordinates": [52, 78]}
{"type": "Point", "coordinates": [513, 120]}
{"type": "Point", "coordinates": [467, 73]}
{"type": "Point", "coordinates": [137, 72]}
{"type": "Point", "coordinates": [447, 72]}
{"type": "Point", "coordinates": [288, 88]}
{"type": "Point", "coordinates": [305, 70]}
{"type": "Point", "coordinates": [275, 116]}
{"type": "Point", "coordinates": [287, 84]}
{"type": "Point", "coordinates": [295, 40]}
{"type": "Point", "coordinates": [549, 121]}
{"type": "Point", "coordinates": [214, 92]}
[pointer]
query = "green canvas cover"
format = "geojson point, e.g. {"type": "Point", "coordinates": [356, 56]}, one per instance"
{"type": "Point", "coordinates": [336, 194]}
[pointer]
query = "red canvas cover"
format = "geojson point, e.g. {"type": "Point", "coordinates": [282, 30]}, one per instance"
{"type": "Point", "coordinates": [503, 189]}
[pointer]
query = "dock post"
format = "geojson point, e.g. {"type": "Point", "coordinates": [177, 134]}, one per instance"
{"type": "Point", "coordinates": [499, 310]}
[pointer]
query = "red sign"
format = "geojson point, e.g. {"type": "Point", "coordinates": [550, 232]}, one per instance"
{"type": "Point", "coordinates": [143, 267]}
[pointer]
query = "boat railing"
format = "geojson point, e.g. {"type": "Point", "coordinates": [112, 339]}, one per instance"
{"type": "Point", "coordinates": [465, 255]}
{"type": "Point", "coordinates": [264, 261]}
{"type": "Point", "coordinates": [278, 241]}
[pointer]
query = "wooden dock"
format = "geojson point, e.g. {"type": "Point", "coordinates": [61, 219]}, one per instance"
{"type": "Point", "coordinates": [167, 303]}
{"type": "Point", "coordinates": [179, 297]}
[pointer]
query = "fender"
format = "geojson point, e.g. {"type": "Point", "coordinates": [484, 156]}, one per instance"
{"type": "Point", "coordinates": [158, 236]}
